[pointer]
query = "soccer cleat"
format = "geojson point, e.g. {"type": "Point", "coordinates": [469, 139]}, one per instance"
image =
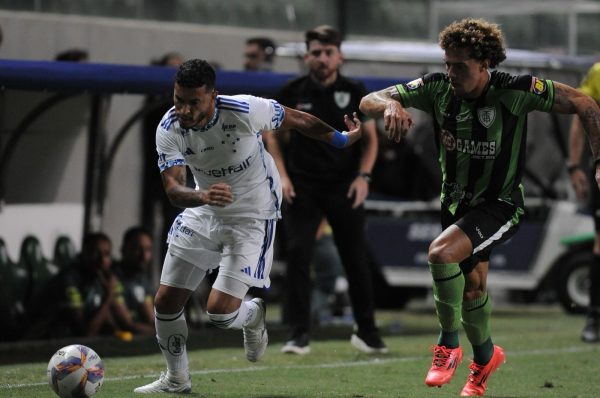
{"type": "Point", "coordinates": [477, 380]}
{"type": "Point", "coordinates": [369, 343]}
{"type": "Point", "coordinates": [444, 364]}
{"type": "Point", "coordinates": [256, 338]}
{"type": "Point", "coordinates": [297, 345]}
{"type": "Point", "coordinates": [591, 331]}
{"type": "Point", "coordinates": [163, 384]}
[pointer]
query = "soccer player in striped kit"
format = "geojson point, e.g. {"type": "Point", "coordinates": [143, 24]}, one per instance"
{"type": "Point", "coordinates": [480, 123]}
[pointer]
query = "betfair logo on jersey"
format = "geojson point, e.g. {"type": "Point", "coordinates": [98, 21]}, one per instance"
{"type": "Point", "coordinates": [477, 149]}
{"type": "Point", "coordinates": [538, 86]}
{"type": "Point", "coordinates": [224, 171]}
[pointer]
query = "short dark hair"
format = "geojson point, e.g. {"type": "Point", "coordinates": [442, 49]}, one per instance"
{"type": "Point", "coordinates": [91, 240]}
{"type": "Point", "coordinates": [267, 45]}
{"type": "Point", "coordinates": [483, 40]}
{"type": "Point", "coordinates": [196, 73]}
{"type": "Point", "coordinates": [134, 233]}
{"type": "Point", "coordinates": [325, 34]}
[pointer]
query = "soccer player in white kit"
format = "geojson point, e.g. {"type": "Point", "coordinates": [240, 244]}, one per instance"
{"type": "Point", "coordinates": [229, 219]}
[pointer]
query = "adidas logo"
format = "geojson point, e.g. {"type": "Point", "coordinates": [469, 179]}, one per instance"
{"type": "Point", "coordinates": [246, 270]}
{"type": "Point", "coordinates": [189, 151]}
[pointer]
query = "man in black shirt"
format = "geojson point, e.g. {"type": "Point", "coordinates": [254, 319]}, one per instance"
{"type": "Point", "coordinates": [319, 182]}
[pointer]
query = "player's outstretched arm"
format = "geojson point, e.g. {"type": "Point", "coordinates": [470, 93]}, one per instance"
{"type": "Point", "coordinates": [569, 100]}
{"type": "Point", "coordinates": [313, 127]}
{"type": "Point", "coordinates": [386, 103]}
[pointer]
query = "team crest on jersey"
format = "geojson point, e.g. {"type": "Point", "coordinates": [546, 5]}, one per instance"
{"type": "Point", "coordinates": [538, 86]}
{"type": "Point", "coordinates": [486, 115]}
{"type": "Point", "coordinates": [342, 98]}
{"type": "Point", "coordinates": [415, 84]}
{"type": "Point", "coordinates": [448, 140]}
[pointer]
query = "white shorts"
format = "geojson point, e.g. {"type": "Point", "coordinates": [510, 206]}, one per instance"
{"type": "Point", "coordinates": [242, 248]}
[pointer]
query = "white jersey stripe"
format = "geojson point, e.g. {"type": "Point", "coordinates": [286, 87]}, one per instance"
{"type": "Point", "coordinates": [503, 229]}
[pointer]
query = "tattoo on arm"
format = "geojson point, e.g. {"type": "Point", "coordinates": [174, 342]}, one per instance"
{"type": "Point", "coordinates": [178, 193]}
{"type": "Point", "coordinates": [563, 99]}
{"type": "Point", "coordinates": [590, 119]}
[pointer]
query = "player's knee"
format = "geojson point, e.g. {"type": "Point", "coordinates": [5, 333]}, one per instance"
{"type": "Point", "coordinates": [439, 253]}
{"type": "Point", "coordinates": [166, 304]}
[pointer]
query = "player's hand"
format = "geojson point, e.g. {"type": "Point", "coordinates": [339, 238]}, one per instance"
{"type": "Point", "coordinates": [218, 194]}
{"type": "Point", "coordinates": [354, 128]}
{"type": "Point", "coordinates": [580, 184]}
{"type": "Point", "coordinates": [397, 121]}
{"type": "Point", "coordinates": [359, 189]}
{"type": "Point", "coordinates": [287, 187]}
{"type": "Point", "coordinates": [108, 280]}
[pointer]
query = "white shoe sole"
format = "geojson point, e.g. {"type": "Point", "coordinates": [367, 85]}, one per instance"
{"type": "Point", "coordinates": [294, 349]}
{"type": "Point", "coordinates": [359, 344]}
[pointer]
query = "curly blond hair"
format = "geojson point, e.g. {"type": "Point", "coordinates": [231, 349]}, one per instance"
{"type": "Point", "coordinates": [482, 39]}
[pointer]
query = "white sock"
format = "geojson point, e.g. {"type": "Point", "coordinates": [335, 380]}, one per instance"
{"type": "Point", "coordinates": [246, 315]}
{"type": "Point", "coordinates": [172, 333]}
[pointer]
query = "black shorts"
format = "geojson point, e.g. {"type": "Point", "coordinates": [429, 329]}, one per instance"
{"type": "Point", "coordinates": [487, 225]}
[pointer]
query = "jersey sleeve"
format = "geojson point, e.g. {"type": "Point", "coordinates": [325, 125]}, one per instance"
{"type": "Point", "coordinates": [265, 114]}
{"type": "Point", "coordinates": [420, 93]}
{"type": "Point", "coordinates": [169, 152]}
{"type": "Point", "coordinates": [529, 93]}
{"type": "Point", "coordinates": [591, 83]}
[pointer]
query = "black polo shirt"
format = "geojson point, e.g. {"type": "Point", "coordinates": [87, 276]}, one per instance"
{"type": "Point", "coordinates": [315, 161]}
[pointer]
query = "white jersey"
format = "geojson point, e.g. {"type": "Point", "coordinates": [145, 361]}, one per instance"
{"type": "Point", "coordinates": [228, 149]}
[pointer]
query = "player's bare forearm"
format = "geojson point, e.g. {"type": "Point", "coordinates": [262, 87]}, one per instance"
{"type": "Point", "coordinates": [218, 194]}
{"type": "Point", "coordinates": [576, 142]}
{"type": "Point", "coordinates": [386, 103]}
{"type": "Point", "coordinates": [178, 193]}
{"type": "Point", "coordinates": [375, 103]}
{"type": "Point", "coordinates": [313, 127]}
{"type": "Point", "coordinates": [185, 197]}
{"type": "Point", "coordinates": [569, 100]}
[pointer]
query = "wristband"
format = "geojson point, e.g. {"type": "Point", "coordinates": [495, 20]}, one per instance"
{"type": "Point", "coordinates": [367, 176]}
{"type": "Point", "coordinates": [339, 140]}
{"type": "Point", "coordinates": [596, 162]}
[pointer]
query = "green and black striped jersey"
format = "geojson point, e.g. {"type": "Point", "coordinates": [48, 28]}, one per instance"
{"type": "Point", "coordinates": [481, 141]}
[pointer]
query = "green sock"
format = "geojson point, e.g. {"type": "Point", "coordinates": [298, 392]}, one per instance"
{"type": "Point", "coordinates": [449, 339]}
{"type": "Point", "coordinates": [476, 322]}
{"type": "Point", "coordinates": [448, 286]}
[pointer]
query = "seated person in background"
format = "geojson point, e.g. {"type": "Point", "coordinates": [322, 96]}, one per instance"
{"type": "Point", "coordinates": [133, 272]}
{"type": "Point", "coordinates": [91, 295]}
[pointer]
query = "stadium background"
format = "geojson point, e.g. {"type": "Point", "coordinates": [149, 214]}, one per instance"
{"type": "Point", "coordinates": [136, 31]}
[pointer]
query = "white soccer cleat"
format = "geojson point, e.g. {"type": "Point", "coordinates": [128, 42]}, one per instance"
{"type": "Point", "coordinates": [163, 384]}
{"type": "Point", "coordinates": [256, 338]}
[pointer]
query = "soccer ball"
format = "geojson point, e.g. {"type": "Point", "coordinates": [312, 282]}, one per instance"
{"type": "Point", "coordinates": [75, 371]}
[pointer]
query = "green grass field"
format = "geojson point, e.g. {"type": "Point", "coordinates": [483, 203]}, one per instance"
{"type": "Point", "coordinates": [545, 358]}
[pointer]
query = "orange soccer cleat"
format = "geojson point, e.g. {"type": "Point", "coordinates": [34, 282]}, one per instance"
{"type": "Point", "coordinates": [444, 364]}
{"type": "Point", "coordinates": [477, 380]}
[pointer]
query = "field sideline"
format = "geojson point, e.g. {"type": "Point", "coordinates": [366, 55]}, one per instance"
{"type": "Point", "coordinates": [544, 359]}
